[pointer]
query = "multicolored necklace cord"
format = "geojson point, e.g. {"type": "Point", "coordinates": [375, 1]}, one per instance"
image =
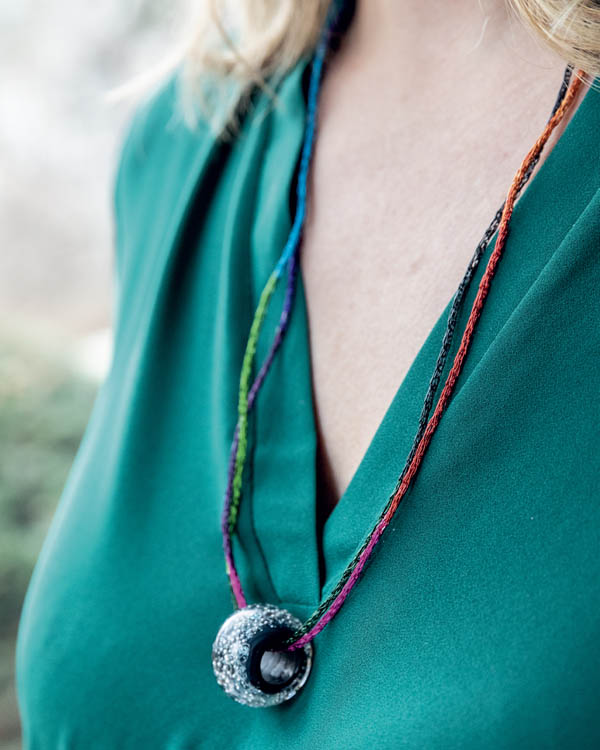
{"type": "Point", "coordinates": [262, 654]}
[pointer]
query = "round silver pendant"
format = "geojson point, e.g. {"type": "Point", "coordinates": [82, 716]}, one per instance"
{"type": "Point", "coordinates": [250, 662]}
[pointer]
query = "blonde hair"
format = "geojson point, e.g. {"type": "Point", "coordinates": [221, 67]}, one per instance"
{"type": "Point", "coordinates": [238, 45]}
{"type": "Point", "coordinates": [570, 27]}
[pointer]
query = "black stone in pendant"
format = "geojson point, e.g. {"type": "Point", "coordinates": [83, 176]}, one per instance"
{"type": "Point", "coordinates": [249, 657]}
{"type": "Point", "coordinates": [270, 667]}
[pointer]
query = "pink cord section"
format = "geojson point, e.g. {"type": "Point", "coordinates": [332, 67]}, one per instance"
{"type": "Point", "coordinates": [341, 597]}
{"type": "Point", "coordinates": [234, 579]}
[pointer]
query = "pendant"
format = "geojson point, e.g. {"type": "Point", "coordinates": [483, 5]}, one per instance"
{"type": "Point", "coordinates": [249, 660]}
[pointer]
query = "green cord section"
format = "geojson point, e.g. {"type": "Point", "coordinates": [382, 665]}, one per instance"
{"type": "Point", "coordinates": [249, 354]}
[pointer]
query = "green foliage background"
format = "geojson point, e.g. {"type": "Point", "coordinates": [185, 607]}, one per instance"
{"type": "Point", "coordinates": [44, 407]}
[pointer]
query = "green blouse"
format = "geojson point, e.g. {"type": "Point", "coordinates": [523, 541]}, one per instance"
{"type": "Point", "coordinates": [476, 623]}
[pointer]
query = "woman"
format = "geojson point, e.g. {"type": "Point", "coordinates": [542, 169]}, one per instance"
{"type": "Point", "coordinates": [475, 620]}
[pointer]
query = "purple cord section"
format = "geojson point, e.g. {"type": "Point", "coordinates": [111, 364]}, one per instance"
{"type": "Point", "coordinates": [341, 597]}
{"type": "Point", "coordinates": [234, 578]}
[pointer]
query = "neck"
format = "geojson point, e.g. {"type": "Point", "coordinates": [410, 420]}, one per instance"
{"type": "Point", "coordinates": [437, 35]}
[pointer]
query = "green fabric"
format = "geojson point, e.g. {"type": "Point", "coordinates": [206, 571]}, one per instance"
{"type": "Point", "coordinates": [477, 622]}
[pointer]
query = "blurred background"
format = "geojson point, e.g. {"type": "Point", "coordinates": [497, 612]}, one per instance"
{"type": "Point", "coordinates": [59, 141]}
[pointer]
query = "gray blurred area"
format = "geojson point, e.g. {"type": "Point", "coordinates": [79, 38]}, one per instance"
{"type": "Point", "coordinates": [59, 141]}
{"type": "Point", "coordinates": [58, 138]}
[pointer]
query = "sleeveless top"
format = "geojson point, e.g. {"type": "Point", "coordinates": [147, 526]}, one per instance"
{"type": "Point", "coordinates": [477, 622]}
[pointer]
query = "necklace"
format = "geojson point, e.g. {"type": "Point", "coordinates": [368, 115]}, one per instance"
{"type": "Point", "coordinates": [262, 654]}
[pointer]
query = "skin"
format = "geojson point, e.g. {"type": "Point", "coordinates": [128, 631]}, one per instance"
{"type": "Point", "coordinates": [425, 114]}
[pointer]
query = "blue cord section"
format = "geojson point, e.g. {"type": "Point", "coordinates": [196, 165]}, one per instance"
{"type": "Point", "coordinates": [309, 139]}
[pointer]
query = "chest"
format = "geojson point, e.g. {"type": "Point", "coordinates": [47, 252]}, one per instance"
{"type": "Point", "coordinates": [396, 209]}
{"type": "Point", "coordinates": [476, 623]}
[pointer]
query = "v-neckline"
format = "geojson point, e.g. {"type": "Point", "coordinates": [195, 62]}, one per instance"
{"type": "Point", "coordinates": [284, 443]}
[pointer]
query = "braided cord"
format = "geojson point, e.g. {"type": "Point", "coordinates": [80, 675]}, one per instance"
{"type": "Point", "coordinates": [433, 383]}
{"type": "Point", "coordinates": [239, 599]}
{"type": "Point", "coordinates": [331, 606]}
{"type": "Point", "coordinates": [289, 257]}
{"type": "Point", "coordinates": [242, 441]}
{"type": "Point", "coordinates": [463, 287]}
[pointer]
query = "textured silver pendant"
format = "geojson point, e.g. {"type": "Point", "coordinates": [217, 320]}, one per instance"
{"type": "Point", "coordinates": [249, 660]}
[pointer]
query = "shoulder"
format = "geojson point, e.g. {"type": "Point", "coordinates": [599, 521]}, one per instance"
{"type": "Point", "coordinates": [153, 152]}
{"type": "Point", "coordinates": [165, 167]}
